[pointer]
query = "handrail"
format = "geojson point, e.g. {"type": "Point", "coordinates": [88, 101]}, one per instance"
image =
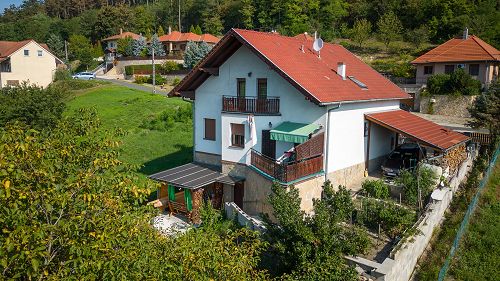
{"type": "Point", "coordinates": [253, 104]}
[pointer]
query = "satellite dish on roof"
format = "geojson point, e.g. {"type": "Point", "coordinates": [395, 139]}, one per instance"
{"type": "Point", "coordinates": [318, 44]}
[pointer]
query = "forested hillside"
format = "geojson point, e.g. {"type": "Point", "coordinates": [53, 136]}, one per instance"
{"type": "Point", "coordinates": [430, 20]}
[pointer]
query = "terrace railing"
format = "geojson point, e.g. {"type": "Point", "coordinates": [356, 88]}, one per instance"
{"type": "Point", "coordinates": [287, 172]}
{"type": "Point", "coordinates": [269, 105]}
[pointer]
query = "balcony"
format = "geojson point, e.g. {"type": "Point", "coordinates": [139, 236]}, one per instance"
{"type": "Point", "coordinates": [255, 105]}
{"type": "Point", "coordinates": [287, 172]}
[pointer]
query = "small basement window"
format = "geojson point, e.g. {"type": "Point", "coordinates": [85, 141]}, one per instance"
{"type": "Point", "coordinates": [237, 135]}
{"type": "Point", "coordinates": [359, 83]}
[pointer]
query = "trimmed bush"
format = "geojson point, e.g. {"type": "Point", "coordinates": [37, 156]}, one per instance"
{"type": "Point", "coordinates": [375, 188]}
{"type": "Point", "coordinates": [62, 74]}
{"type": "Point", "coordinates": [147, 69]}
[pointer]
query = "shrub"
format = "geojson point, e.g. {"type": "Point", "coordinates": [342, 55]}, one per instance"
{"type": "Point", "coordinates": [158, 79]}
{"type": "Point", "coordinates": [62, 74]}
{"type": "Point", "coordinates": [375, 188]}
{"type": "Point", "coordinates": [425, 182]}
{"type": "Point", "coordinates": [176, 81]}
{"type": "Point", "coordinates": [457, 83]}
{"type": "Point", "coordinates": [169, 66]}
{"type": "Point", "coordinates": [129, 70]}
{"type": "Point", "coordinates": [140, 79]}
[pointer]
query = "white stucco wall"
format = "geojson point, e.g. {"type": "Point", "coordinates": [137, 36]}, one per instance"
{"type": "Point", "coordinates": [208, 104]}
{"type": "Point", "coordinates": [33, 69]}
{"type": "Point", "coordinates": [484, 71]}
{"type": "Point", "coordinates": [347, 143]}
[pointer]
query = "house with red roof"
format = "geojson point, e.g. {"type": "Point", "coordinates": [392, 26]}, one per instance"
{"type": "Point", "coordinates": [176, 41]}
{"type": "Point", "coordinates": [268, 108]}
{"type": "Point", "coordinates": [26, 61]}
{"type": "Point", "coordinates": [112, 42]}
{"type": "Point", "coordinates": [476, 57]}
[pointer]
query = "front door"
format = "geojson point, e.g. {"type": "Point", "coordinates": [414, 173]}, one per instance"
{"type": "Point", "coordinates": [239, 192]}
{"type": "Point", "coordinates": [268, 145]}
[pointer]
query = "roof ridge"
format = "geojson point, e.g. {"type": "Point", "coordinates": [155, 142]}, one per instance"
{"type": "Point", "coordinates": [481, 45]}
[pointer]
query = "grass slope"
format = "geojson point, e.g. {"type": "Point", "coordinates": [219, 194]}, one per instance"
{"type": "Point", "coordinates": [478, 257]}
{"type": "Point", "coordinates": [121, 107]}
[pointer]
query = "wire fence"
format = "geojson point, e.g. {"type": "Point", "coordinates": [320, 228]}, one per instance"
{"type": "Point", "coordinates": [468, 214]}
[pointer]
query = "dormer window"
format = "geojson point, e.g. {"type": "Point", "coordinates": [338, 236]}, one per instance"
{"type": "Point", "coordinates": [26, 53]}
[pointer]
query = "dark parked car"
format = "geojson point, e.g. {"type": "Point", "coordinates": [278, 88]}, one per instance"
{"type": "Point", "coordinates": [405, 156]}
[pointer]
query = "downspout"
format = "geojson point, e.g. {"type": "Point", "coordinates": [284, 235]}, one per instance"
{"type": "Point", "coordinates": [337, 106]}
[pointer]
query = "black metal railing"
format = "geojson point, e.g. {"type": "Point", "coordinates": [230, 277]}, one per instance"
{"type": "Point", "coordinates": [268, 105]}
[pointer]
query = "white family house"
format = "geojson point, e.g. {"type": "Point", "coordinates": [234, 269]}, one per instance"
{"type": "Point", "coordinates": [26, 61]}
{"type": "Point", "coordinates": [268, 108]}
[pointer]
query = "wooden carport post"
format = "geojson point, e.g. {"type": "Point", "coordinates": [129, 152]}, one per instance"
{"type": "Point", "coordinates": [367, 160]}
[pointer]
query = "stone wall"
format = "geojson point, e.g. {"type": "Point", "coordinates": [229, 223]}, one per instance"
{"type": "Point", "coordinates": [234, 169]}
{"type": "Point", "coordinates": [207, 158]}
{"type": "Point", "coordinates": [447, 105]}
{"type": "Point", "coordinates": [347, 176]}
{"type": "Point", "coordinates": [309, 190]}
{"type": "Point", "coordinates": [257, 190]}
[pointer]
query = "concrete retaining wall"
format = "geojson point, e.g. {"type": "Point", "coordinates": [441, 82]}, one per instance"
{"type": "Point", "coordinates": [233, 211]}
{"type": "Point", "coordinates": [120, 64]}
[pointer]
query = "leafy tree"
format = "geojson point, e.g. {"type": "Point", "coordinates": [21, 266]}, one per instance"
{"type": "Point", "coordinates": [98, 50]}
{"type": "Point", "coordinates": [418, 36]}
{"type": "Point", "coordinates": [197, 30]}
{"type": "Point", "coordinates": [195, 51]}
{"type": "Point", "coordinates": [486, 110]}
{"type": "Point", "coordinates": [32, 105]}
{"type": "Point", "coordinates": [56, 45]}
{"type": "Point", "coordinates": [157, 46]}
{"type": "Point", "coordinates": [457, 83]}
{"type": "Point", "coordinates": [389, 28]}
{"type": "Point", "coordinates": [160, 32]}
{"type": "Point", "coordinates": [125, 46]}
{"type": "Point", "coordinates": [361, 31]}
{"type": "Point", "coordinates": [307, 247]}
{"type": "Point", "coordinates": [72, 210]}
{"type": "Point", "coordinates": [139, 46]}
{"type": "Point", "coordinates": [80, 49]}
{"type": "Point", "coordinates": [424, 180]}
{"type": "Point", "coordinates": [375, 188]}
{"type": "Point", "coordinates": [295, 19]}
{"type": "Point", "coordinates": [110, 19]}
{"type": "Point", "coordinates": [246, 13]}
{"type": "Point", "coordinates": [192, 29]}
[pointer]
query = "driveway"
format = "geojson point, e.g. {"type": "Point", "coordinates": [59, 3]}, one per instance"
{"type": "Point", "coordinates": [135, 86]}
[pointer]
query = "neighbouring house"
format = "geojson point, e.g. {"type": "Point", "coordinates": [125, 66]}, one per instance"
{"type": "Point", "coordinates": [267, 108]}
{"type": "Point", "coordinates": [476, 57]}
{"type": "Point", "coordinates": [26, 61]}
{"type": "Point", "coordinates": [176, 41]}
{"type": "Point", "coordinates": [112, 43]}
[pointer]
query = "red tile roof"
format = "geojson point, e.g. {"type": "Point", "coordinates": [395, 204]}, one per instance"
{"type": "Point", "coordinates": [122, 36]}
{"type": "Point", "coordinates": [176, 36]}
{"type": "Point", "coordinates": [411, 125]}
{"type": "Point", "coordinates": [7, 48]}
{"type": "Point", "coordinates": [459, 50]}
{"type": "Point", "coordinates": [315, 77]}
{"type": "Point", "coordinates": [304, 37]}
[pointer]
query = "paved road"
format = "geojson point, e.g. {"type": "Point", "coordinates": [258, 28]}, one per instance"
{"type": "Point", "coordinates": [136, 86]}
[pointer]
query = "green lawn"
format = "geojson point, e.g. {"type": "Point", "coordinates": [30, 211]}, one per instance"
{"type": "Point", "coordinates": [120, 107]}
{"type": "Point", "coordinates": [478, 257]}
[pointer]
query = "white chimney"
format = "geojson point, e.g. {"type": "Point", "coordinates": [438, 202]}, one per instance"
{"type": "Point", "coordinates": [466, 34]}
{"type": "Point", "coordinates": [169, 29]}
{"type": "Point", "coordinates": [341, 69]}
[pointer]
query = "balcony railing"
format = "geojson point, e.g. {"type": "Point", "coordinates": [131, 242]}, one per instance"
{"type": "Point", "coordinates": [287, 172]}
{"type": "Point", "coordinates": [269, 105]}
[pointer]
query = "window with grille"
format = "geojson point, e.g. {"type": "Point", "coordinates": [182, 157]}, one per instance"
{"type": "Point", "coordinates": [237, 135]}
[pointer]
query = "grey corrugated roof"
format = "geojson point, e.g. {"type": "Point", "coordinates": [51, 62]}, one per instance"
{"type": "Point", "coordinates": [192, 176]}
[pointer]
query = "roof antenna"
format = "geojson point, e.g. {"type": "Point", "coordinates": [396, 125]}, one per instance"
{"type": "Point", "coordinates": [318, 44]}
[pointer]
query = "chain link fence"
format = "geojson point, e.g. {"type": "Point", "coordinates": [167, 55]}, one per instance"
{"type": "Point", "coordinates": [468, 214]}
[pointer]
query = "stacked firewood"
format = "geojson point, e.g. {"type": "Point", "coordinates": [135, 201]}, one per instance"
{"type": "Point", "coordinates": [454, 158]}
{"type": "Point", "coordinates": [197, 200]}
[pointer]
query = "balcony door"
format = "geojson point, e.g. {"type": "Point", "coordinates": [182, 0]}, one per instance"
{"type": "Point", "coordinates": [261, 94]}
{"type": "Point", "coordinates": [241, 93]}
{"type": "Point", "coordinates": [268, 145]}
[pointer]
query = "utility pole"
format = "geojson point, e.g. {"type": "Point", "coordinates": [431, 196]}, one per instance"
{"type": "Point", "coordinates": [180, 30]}
{"type": "Point", "coordinates": [154, 69]}
{"type": "Point", "coordinates": [66, 50]}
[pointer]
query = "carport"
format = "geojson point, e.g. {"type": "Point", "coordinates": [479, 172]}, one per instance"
{"type": "Point", "coordinates": [420, 130]}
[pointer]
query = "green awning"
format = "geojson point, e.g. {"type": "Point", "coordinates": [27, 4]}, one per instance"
{"type": "Point", "coordinates": [293, 132]}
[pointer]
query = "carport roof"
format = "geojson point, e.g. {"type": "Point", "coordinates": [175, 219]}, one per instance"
{"type": "Point", "coordinates": [420, 129]}
{"type": "Point", "coordinates": [192, 176]}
